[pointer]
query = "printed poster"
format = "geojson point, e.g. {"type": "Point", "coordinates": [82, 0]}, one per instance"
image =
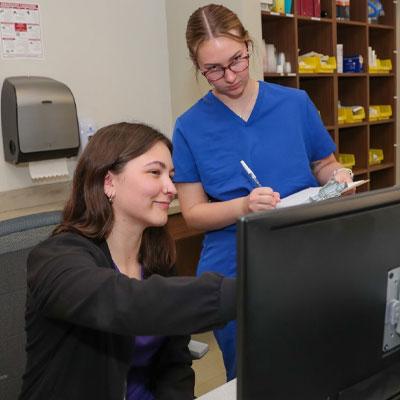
{"type": "Point", "coordinates": [21, 35]}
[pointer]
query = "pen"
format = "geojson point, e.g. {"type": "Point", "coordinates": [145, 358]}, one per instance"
{"type": "Point", "coordinates": [250, 173]}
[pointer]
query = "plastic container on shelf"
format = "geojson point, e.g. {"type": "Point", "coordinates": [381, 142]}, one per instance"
{"type": "Point", "coordinates": [353, 64]}
{"type": "Point", "coordinates": [314, 64]}
{"type": "Point", "coordinates": [347, 160]}
{"type": "Point", "coordinates": [343, 9]}
{"type": "Point", "coordinates": [375, 10]}
{"type": "Point", "coordinates": [380, 112]}
{"type": "Point", "coordinates": [341, 115]}
{"type": "Point", "coordinates": [386, 111]}
{"type": "Point", "coordinates": [375, 156]}
{"type": "Point", "coordinates": [374, 113]}
{"type": "Point", "coordinates": [351, 115]}
{"type": "Point", "coordinates": [327, 67]}
{"type": "Point", "coordinates": [381, 66]}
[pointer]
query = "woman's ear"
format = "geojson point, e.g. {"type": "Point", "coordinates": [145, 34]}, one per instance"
{"type": "Point", "coordinates": [109, 185]}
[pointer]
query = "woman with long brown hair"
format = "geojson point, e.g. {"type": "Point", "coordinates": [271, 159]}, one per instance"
{"type": "Point", "coordinates": [275, 130]}
{"type": "Point", "coordinates": [105, 317]}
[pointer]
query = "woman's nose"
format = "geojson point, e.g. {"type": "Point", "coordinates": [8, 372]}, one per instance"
{"type": "Point", "coordinates": [170, 187]}
{"type": "Point", "coordinates": [230, 76]}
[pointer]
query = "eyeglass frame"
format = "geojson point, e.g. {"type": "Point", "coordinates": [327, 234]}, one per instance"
{"type": "Point", "coordinates": [246, 57]}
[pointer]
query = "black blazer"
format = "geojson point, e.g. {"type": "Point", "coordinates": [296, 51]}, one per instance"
{"type": "Point", "coordinates": [81, 316]}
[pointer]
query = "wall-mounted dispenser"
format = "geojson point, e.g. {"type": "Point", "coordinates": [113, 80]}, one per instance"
{"type": "Point", "coordinates": [38, 119]}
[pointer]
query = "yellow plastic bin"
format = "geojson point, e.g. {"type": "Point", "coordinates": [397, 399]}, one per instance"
{"type": "Point", "coordinates": [381, 67]}
{"type": "Point", "coordinates": [380, 112]}
{"type": "Point", "coordinates": [341, 115]}
{"type": "Point", "coordinates": [386, 111]}
{"type": "Point", "coordinates": [351, 115]}
{"type": "Point", "coordinates": [347, 160]}
{"type": "Point", "coordinates": [314, 65]}
{"type": "Point", "coordinates": [327, 67]}
{"type": "Point", "coordinates": [308, 65]}
{"type": "Point", "coordinates": [375, 156]}
{"type": "Point", "coordinates": [374, 113]}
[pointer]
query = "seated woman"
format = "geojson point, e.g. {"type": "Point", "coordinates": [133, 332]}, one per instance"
{"type": "Point", "coordinates": [104, 317]}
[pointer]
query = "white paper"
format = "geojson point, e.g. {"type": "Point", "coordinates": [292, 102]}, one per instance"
{"type": "Point", "coordinates": [21, 35]}
{"type": "Point", "coordinates": [303, 197]}
{"type": "Point", "coordinates": [48, 169]}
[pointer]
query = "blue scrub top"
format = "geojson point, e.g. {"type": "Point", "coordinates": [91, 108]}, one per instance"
{"type": "Point", "coordinates": [280, 140]}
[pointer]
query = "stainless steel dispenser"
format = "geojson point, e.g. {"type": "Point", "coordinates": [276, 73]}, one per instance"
{"type": "Point", "coordinates": [38, 119]}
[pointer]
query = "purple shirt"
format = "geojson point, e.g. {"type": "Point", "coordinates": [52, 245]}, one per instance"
{"type": "Point", "coordinates": [139, 374]}
{"type": "Point", "coordinates": [145, 348]}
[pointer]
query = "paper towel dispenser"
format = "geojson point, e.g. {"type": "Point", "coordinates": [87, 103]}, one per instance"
{"type": "Point", "coordinates": [38, 119]}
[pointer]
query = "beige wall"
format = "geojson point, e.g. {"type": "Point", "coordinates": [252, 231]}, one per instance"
{"type": "Point", "coordinates": [114, 57]}
{"type": "Point", "coordinates": [185, 90]}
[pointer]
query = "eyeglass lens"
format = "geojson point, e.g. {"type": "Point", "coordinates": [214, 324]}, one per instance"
{"type": "Point", "coordinates": [237, 66]}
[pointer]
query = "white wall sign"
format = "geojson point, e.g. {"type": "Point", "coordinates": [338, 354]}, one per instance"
{"type": "Point", "coordinates": [20, 30]}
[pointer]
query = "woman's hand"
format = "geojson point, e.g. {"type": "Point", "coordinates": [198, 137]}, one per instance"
{"type": "Point", "coordinates": [344, 175]}
{"type": "Point", "coordinates": [260, 199]}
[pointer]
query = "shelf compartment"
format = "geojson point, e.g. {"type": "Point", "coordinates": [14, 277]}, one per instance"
{"type": "Point", "coordinates": [354, 40]}
{"type": "Point", "coordinates": [384, 43]}
{"type": "Point", "coordinates": [353, 91]}
{"type": "Point", "coordinates": [389, 18]}
{"type": "Point", "coordinates": [382, 137]}
{"type": "Point", "coordinates": [273, 28]}
{"type": "Point", "coordinates": [382, 176]}
{"type": "Point", "coordinates": [321, 93]}
{"type": "Point", "coordinates": [315, 36]}
{"type": "Point", "coordinates": [354, 140]}
{"type": "Point", "coordinates": [382, 90]}
{"type": "Point", "coordinates": [358, 12]}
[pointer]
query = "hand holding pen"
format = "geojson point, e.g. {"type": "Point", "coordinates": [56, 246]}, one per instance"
{"type": "Point", "coordinates": [261, 198]}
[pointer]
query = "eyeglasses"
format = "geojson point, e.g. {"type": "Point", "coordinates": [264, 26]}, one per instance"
{"type": "Point", "coordinates": [217, 72]}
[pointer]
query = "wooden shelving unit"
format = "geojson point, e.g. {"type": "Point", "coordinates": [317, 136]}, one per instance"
{"type": "Point", "coordinates": [295, 35]}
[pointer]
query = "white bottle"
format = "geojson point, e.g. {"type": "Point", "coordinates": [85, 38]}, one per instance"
{"type": "Point", "coordinates": [339, 55]}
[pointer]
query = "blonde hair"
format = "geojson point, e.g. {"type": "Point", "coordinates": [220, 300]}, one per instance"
{"type": "Point", "coordinates": [213, 21]}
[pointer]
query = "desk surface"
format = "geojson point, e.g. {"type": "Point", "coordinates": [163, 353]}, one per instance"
{"type": "Point", "coordinates": [224, 392]}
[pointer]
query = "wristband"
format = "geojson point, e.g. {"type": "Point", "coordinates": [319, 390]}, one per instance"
{"type": "Point", "coordinates": [347, 170]}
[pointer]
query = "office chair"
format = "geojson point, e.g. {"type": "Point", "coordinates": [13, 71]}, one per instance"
{"type": "Point", "coordinates": [17, 237]}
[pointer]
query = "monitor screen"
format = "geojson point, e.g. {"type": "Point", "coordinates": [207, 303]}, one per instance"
{"type": "Point", "coordinates": [313, 320]}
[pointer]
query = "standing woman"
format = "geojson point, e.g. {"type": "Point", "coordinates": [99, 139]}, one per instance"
{"type": "Point", "coordinates": [276, 130]}
{"type": "Point", "coordinates": [102, 320]}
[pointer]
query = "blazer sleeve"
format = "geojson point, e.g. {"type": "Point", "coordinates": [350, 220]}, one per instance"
{"type": "Point", "coordinates": [70, 279]}
{"type": "Point", "coordinates": [173, 376]}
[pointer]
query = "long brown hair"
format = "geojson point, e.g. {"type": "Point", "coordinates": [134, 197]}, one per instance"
{"type": "Point", "coordinates": [89, 212]}
{"type": "Point", "coordinates": [213, 21]}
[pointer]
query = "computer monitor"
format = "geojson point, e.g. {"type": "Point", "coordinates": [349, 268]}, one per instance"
{"type": "Point", "coordinates": [313, 287]}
